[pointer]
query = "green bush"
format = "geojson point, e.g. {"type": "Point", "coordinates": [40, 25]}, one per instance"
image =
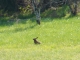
{"type": "Point", "coordinates": [56, 12]}
{"type": "Point", "coordinates": [25, 12]}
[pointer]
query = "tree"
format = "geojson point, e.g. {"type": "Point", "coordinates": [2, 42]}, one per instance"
{"type": "Point", "coordinates": [73, 6]}
{"type": "Point", "coordinates": [36, 9]}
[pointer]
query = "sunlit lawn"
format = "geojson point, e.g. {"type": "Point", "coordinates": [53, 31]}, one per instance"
{"type": "Point", "coordinates": [60, 40]}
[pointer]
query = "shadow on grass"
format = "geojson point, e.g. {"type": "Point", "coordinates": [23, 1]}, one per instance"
{"type": "Point", "coordinates": [10, 20]}
{"type": "Point", "coordinates": [5, 21]}
{"type": "Point", "coordinates": [18, 29]}
{"type": "Point", "coordinates": [23, 29]}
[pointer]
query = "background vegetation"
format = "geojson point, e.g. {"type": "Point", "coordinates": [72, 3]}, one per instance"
{"type": "Point", "coordinates": [59, 32]}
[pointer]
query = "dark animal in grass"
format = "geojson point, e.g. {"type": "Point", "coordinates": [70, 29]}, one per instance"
{"type": "Point", "coordinates": [36, 41]}
{"type": "Point", "coordinates": [38, 21]}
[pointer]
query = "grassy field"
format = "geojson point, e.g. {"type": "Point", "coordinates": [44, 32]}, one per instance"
{"type": "Point", "coordinates": [60, 40]}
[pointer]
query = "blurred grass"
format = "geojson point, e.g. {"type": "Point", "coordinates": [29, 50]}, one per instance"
{"type": "Point", "coordinates": [60, 40]}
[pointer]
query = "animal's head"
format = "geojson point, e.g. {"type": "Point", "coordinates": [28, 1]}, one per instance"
{"type": "Point", "coordinates": [35, 38]}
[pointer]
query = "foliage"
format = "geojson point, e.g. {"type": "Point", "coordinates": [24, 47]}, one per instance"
{"type": "Point", "coordinates": [56, 12]}
{"type": "Point", "coordinates": [8, 5]}
{"type": "Point", "coordinates": [23, 8]}
{"type": "Point", "coordinates": [25, 12]}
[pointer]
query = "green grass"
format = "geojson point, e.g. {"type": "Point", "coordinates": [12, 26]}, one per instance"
{"type": "Point", "coordinates": [60, 40]}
